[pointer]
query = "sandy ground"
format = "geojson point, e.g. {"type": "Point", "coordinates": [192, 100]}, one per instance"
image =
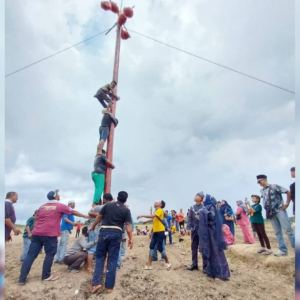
{"type": "Point", "coordinates": [253, 276]}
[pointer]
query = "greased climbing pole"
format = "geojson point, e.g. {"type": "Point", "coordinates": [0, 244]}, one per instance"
{"type": "Point", "coordinates": [121, 33]}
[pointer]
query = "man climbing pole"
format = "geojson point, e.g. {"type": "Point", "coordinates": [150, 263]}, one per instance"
{"type": "Point", "coordinates": [104, 94]}
{"type": "Point", "coordinates": [107, 119]}
{"type": "Point", "coordinates": [98, 175]}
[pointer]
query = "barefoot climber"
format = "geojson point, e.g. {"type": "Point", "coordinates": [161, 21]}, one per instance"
{"type": "Point", "coordinates": [98, 175]}
{"type": "Point", "coordinates": [158, 235]}
{"type": "Point", "coordinates": [105, 93]}
{"type": "Point", "coordinates": [107, 119]}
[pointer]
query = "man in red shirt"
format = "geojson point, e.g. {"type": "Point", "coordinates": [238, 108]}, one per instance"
{"type": "Point", "coordinates": [45, 233]}
{"type": "Point", "coordinates": [79, 225]}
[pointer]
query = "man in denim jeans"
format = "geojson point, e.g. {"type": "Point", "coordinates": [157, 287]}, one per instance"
{"type": "Point", "coordinates": [66, 226]}
{"type": "Point", "coordinates": [276, 212]}
{"type": "Point", "coordinates": [45, 232]}
{"type": "Point", "coordinates": [113, 216]}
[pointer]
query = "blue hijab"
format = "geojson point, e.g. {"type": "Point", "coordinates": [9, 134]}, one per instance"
{"type": "Point", "coordinates": [211, 203]}
{"type": "Point", "coordinates": [226, 208]}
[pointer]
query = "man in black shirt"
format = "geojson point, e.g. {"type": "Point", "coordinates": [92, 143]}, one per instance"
{"type": "Point", "coordinates": [107, 119]}
{"type": "Point", "coordinates": [292, 189]}
{"type": "Point", "coordinates": [98, 175]}
{"type": "Point", "coordinates": [113, 216]}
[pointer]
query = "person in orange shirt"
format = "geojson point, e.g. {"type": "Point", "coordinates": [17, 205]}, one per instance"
{"type": "Point", "coordinates": [181, 218]}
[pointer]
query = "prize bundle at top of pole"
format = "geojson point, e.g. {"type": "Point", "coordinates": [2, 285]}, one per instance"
{"type": "Point", "coordinates": [122, 33]}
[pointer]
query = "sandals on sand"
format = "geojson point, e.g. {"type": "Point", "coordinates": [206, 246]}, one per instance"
{"type": "Point", "coordinates": [95, 289]}
{"type": "Point", "coordinates": [110, 290]}
{"type": "Point", "coordinates": [51, 278]}
{"type": "Point", "coordinates": [148, 268]}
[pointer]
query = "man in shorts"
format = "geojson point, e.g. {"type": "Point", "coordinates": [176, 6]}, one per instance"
{"type": "Point", "coordinates": [104, 94]}
{"type": "Point", "coordinates": [107, 119]}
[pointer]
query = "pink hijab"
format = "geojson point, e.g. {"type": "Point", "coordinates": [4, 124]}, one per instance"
{"type": "Point", "coordinates": [228, 237]}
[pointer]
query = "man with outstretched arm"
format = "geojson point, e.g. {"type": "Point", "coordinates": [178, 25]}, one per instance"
{"type": "Point", "coordinates": [113, 216]}
{"type": "Point", "coordinates": [45, 233]}
{"type": "Point", "coordinates": [158, 235]}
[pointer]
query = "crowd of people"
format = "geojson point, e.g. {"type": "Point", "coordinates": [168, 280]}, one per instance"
{"type": "Point", "coordinates": [210, 225]}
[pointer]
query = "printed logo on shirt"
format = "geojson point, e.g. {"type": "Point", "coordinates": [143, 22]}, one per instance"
{"type": "Point", "coordinates": [48, 208]}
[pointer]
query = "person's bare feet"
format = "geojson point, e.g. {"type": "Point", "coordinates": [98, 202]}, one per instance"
{"type": "Point", "coordinates": [110, 290]}
{"type": "Point", "coordinates": [90, 271]}
{"type": "Point", "coordinates": [95, 289]}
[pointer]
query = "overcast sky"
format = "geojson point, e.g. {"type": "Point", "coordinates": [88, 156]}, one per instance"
{"type": "Point", "coordinates": [185, 125]}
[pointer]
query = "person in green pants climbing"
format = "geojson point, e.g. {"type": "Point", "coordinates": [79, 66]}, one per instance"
{"type": "Point", "coordinates": [98, 175]}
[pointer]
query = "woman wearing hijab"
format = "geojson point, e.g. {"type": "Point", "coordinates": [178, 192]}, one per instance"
{"type": "Point", "coordinates": [243, 221]}
{"type": "Point", "coordinates": [227, 215]}
{"type": "Point", "coordinates": [228, 236]}
{"type": "Point", "coordinates": [211, 241]}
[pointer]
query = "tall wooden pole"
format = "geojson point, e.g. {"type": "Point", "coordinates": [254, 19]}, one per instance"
{"type": "Point", "coordinates": [110, 140]}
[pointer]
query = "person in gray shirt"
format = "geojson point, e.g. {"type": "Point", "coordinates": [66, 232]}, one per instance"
{"type": "Point", "coordinates": [75, 255]}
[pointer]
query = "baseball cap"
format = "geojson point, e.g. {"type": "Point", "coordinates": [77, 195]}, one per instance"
{"type": "Point", "coordinates": [51, 195]}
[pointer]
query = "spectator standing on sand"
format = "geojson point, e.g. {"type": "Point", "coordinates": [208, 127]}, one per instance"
{"type": "Point", "coordinates": [211, 242]}
{"type": "Point", "coordinates": [227, 235]}
{"type": "Point", "coordinates": [27, 236]}
{"type": "Point", "coordinates": [257, 220]}
{"type": "Point", "coordinates": [170, 224]}
{"type": "Point", "coordinates": [78, 228]}
{"type": "Point", "coordinates": [10, 216]}
{"type": "Point", "coordinates": [45, 232]}
{"type": "Point", "coordinates": [292, 189]}
{"type": "Point", "coordinates": [227, 215]}
{"type": "Point", "coordinates": [174, 219]}
{"type": "Point", "coordinates": [243, 221]}
{"type": "Point", "coordinates": [181, 218]}
{"type": "Point", "coordinates": [276, 212]}
{"type": "Point", "coordinates": [158, 235]}
{"type": "Point", "coordinates": [67, 223]}
{"type": "Point", "coordinates": [75, 255]}
{"type": "Point", "coordinates": [113, 216]}
{"type": "Point", "coordinates": [193, 228]}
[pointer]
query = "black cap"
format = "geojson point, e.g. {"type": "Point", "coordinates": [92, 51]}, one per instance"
{"type": "Point", "coordinates": [293, 169]}
{"type": "Point", "coordinates": [261, 177]}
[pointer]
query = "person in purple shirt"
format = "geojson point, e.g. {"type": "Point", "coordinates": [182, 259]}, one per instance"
{"type": "Point", "coordinates": [192, 229]}
{"type": "Point", "coordinates": [10, 216]}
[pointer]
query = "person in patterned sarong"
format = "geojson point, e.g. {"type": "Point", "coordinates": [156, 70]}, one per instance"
{"type": "Point", "coordinates": [211, 241]}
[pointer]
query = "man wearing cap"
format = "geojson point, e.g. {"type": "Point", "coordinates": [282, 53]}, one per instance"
{"type": "Point", "coordinates": [192, 229]}
{"type": "Point", "coordinates": [292, 189]}
{"type": "Point", "coordinates": [113, 216]}
{"type": "Point", "coordinates": [10, 216]}
{"type": "Point", "coordinates": [67, 223]}
{"type": "Point", "coordinates": [45, 233]}
{"type": "Point", "coordinates": [276, 212]}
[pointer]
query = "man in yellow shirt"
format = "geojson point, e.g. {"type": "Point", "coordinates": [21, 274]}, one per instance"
{"type": "Point", "coordinates": [158, 235]}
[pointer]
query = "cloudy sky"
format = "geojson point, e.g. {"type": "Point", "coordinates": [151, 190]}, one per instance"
{"type": "Point", "coordinates": [185, 125]}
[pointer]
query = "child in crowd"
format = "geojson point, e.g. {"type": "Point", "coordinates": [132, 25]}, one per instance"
{"type": "Point", "coordinates": [182, 230]}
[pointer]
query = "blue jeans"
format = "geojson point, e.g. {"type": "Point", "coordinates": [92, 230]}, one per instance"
{"type": "Point", "coordinates": [109, 243]}
{"type": "Point", "coordinates": [37, 243]}
{"type": "Point", "coordinates": [170, 238]}
{"type": "Point", "coordinates": [62, 248]}
{"type": "Point", "coordinates": [104, 132]}
{"type": "Point", "coordinates": [26, 246]}
{"type": "Point", "coordinates": [92, 237]}
{"type": "Point", "coordinates": [121, 254]}
{"type": "Point", "coordinates": [177, 226]}
{"type": "Point", "coordinates": [280, 221]}
{"type": "Point", "coordinates": [154, 256]}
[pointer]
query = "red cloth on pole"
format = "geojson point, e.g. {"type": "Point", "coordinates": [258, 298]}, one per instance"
{"type": "Point", "coordinates": [128, 12]}
{"type": "Point", "coordinates": [106, 5]}
{"type": "Point", "coordinates": [122, 19]}
{"type": "Point", "coordinates": [114, 7]}
{"type": "Point", "coordinates": [124, 34]}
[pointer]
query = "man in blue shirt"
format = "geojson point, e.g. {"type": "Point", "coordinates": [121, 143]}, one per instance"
{"type": "Point", "coordinates": [170, 224]}
{"type": "Point", "coordinates": [67, 223]}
